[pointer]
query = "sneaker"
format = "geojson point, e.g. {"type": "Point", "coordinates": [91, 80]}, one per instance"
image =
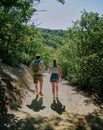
{"type": "Point", "coordinates": [54, 101]}
{"type": "Point", "coordinates": [56, 97]}
{"type": "Point", "coordinates": [41, 94]}
{"type": "Point", "coordinates": [37, 96]}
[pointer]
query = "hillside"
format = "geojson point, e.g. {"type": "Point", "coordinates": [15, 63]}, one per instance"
{"type": "Point", "coordinates": [22, 111]}
{"type": "Point", "coordinates": [53, 38]}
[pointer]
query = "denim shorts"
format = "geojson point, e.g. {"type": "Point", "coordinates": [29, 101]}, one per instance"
{"type": "Point", "coordinates": [54, 78]}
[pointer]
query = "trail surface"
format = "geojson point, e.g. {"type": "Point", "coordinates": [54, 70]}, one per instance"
{"type": "Point", "coordinates": [71, 111]}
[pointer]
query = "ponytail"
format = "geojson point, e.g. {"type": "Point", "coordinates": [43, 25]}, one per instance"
{"type": "Point", "coordinates": [54, 63]}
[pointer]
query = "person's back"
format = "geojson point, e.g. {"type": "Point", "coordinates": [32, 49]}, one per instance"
{"type": "Point", "coordinates": [55, 77]}
{"type": "Point", "coordinates": [37, 66]}
{"type": "Point", "coordinates": [54, 70]}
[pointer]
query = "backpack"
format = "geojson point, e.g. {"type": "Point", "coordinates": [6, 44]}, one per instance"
{"type": "Point", "coordinates": [36, 67]}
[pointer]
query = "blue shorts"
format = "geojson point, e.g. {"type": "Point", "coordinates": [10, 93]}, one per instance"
{"type": "Point", "coordinates": [54, 78]}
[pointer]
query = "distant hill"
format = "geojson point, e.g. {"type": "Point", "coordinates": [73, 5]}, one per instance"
{"type": "Point", "coordinates": [53, 38]}
{"type": "Point", "coordinates": [57, 32]}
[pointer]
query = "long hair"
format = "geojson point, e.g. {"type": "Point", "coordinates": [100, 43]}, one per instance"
{"type": "Point", "coordinates": [54, 63]}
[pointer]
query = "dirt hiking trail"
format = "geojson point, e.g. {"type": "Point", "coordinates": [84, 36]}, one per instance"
{"type": "Point", "coordinates": [72, 111]}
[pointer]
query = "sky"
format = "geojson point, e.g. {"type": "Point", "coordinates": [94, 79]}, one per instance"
{"type": "Point", "coordinates": [58, 16]}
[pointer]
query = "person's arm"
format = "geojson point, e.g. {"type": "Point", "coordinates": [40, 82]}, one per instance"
{"type": "Point", "coordinates": [59, 73]}
{"type": "Point", "coordinates": [30, 67]}
{"type": "Point", "coordinates": [49, 70]}
{"type": "Point", "coordinates": [43, 67]}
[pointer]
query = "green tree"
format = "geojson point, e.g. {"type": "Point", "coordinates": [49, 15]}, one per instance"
{"type": "Point", "coordinates": [85, 68]}
{"type": "Point", "coordinates": [14, 16]}
{"type": "Point", "coordinates": [81, 56]}
{"type": "Point", "coordinates": [91, 44]}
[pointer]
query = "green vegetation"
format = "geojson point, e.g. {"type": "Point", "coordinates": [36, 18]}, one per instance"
{"type": "Point", "coordinates": [82, 55]}
{"type": "Point", "coordinates": [79, 50]}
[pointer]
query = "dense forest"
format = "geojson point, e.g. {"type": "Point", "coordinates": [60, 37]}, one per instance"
{"type": "Point", "coordinates": [78, 50]}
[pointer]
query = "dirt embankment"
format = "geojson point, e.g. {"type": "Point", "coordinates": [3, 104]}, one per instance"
{"type": "Point", "coordinates": [22, 111]}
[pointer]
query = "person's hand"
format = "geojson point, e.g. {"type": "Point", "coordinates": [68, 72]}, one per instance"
{"type": "Point", "coordinates": [60, 80]}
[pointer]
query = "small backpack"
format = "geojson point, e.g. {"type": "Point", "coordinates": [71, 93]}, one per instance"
{"type": "Point", "coordinates": [36, 67]}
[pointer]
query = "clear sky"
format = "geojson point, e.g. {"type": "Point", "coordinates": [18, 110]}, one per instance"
{"type": "Point", "coordinates": [58, 16]}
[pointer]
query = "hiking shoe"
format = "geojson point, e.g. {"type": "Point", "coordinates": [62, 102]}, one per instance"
{"type": "Point", "coordinates": [54, 101]}
{"type": "Point", "coordinates": [56, 97]}
{"type": "Point", "coordinates": [41, 94]}
{"type": "Point", "coordinates": [37, 96]}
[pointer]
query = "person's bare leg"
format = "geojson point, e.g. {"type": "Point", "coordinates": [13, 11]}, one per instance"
{"type": "Point", "coordinates": [56, 85]}
{"type": "Point", "coordinates": [41, 86]}
{"type": "Point", "coordinates": [36, 89]}
{"type": "Point", "coordinates": [40, 79]}
{"type": "Point", "coordinates": [53, 90]}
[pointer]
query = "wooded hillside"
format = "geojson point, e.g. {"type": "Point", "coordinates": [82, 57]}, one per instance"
{"type": "Point", "coordinates": [79, 50]}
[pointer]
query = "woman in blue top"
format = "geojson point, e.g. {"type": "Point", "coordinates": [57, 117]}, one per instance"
{"type": "Point", "coordinates": [55, 77]}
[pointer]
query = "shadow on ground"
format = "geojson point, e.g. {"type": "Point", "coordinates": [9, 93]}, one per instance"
{"type": "Point", "coordinates": [6, 120]}
{"type": "Point", "coordinates": [36, 104]}
{"type": "Point", "coordinates": [57, 106]}
{"type": "Point", "coordinates": [92, 121]}
{"type": "Point", "coordinates": [92, 97]}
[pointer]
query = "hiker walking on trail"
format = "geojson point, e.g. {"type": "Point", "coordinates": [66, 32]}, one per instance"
{"type": "Point", "coordinates": [37, 66]}
{"type": "Point", "coordinates": [55, 78]}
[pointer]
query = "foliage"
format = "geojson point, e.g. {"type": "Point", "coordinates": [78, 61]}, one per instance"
{"type": "Point", "coordinates": [14, 16]}
{"type": "Point", "coordinates": [53, 38]}
{"type": "Point", "coordinates": [20, 42]}
{"type": "Point", "coordinates": [62, 1]}
{"type": "Point", "coordinates": [79, 50]}
{"type": "Point", "coordinates": [68, 57]}
{"type": "Point", "coordinates": [83, 65]}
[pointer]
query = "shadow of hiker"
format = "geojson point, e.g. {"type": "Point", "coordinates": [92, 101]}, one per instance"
{"type": "Point", "coordinates": [57, 106]}
{"type": "Point", "coordinates": [36, 104]}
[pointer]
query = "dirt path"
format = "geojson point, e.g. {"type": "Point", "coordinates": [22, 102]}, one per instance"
{"type": "Point", "coordinates": [79, 112]}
